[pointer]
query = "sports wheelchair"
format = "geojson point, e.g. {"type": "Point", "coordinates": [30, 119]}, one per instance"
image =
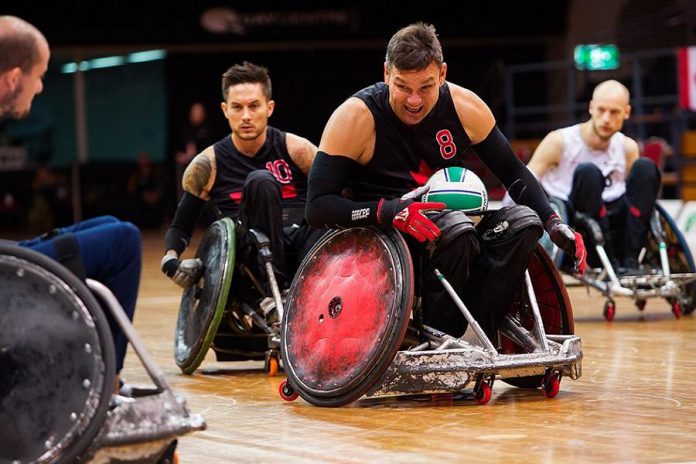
{"type": "Point", "coordinates": [228, 309]}
{"type": "Point", "coordinates": [352, 329]}
{"type": "Point", "coordinates": [57, 373]}
{"type": "Point", "coordinates": [666, 266]}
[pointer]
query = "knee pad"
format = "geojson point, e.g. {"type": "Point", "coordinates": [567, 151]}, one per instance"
{"type": "Point", "coordinates": [452, 225]}
{"type": "Point", "coordinates": [646, 171]}
{"type": "Point", "coordinates": [509, 223]}
{"type": "Point", "coordinates": [589, 170]}
{"type": "Point", "coordinates": [260, 177]}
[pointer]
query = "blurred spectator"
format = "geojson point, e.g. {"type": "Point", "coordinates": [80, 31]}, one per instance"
{"type": "Point", "coordinates": [145, 187]}
{"type": "Point", "coordinates": [194, 138]}
{"type": "Point", "coordinates": [50, 202]}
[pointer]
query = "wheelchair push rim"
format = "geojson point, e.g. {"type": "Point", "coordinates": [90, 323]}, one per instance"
{"type": "Point", "coordinates": [679, 256]}
{"type": "Point", "coordinates": [203, 305]}
{"type": "Point", "coordinates": [347, 314]}
{"type": "Point", "coordinates": [60, 359]}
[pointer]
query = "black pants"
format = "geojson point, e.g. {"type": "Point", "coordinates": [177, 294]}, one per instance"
{"type": "Point", "coordinates": [290, 236]}
{"type": "Point", "coordinates": [625, 221]}
{"type": "Point", "coordinates": [484, 264]}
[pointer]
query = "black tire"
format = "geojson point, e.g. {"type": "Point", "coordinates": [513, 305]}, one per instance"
{"type": "Point", "coordinates": [304, 315]}
{"type": "Point", "coordinates": [65, 310]}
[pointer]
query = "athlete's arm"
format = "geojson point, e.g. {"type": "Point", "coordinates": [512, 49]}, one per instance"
{"type": "Point", "coordinates": [346, 144]}
{"type": "Point", "coordinates": [197, 181]}
{"type": "Point", "coordinates": [497, 154]}
{"type": "Point", "coordinates": [547, 155]}
{"type": "Point", "coordinates": [301, 151]}
{"type": "Point", "coordinates": [632, 153]}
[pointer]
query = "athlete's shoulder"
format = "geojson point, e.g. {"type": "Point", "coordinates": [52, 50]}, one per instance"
{"type": "Point", "coordinates": [350, 130]}
{"type": "Point", "coordinates": [474, 114]}
{"type": "Point", "coordinates": [301, 151]}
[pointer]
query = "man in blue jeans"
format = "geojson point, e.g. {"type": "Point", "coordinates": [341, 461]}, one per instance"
{"type": "Point", "coordinates": [109, 252]}
{"type": "Point", "coordinates": [104, 248]}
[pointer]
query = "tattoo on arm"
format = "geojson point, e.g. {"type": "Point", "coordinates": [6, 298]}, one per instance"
{"type": "Point", "coordinates": [197, 175]}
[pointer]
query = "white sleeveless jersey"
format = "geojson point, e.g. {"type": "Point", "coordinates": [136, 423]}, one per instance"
{"type": "Point", "coordinates": [612, 162]}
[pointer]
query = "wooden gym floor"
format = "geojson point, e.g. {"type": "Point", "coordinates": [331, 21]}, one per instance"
{"type": "Point", "coordinates": [635, 402]}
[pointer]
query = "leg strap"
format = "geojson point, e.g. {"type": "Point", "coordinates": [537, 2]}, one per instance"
{"type": "Point", "coordinates": [69, 254]}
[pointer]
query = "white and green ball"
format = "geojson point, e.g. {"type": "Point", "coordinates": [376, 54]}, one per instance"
{"type": "Point", "coordinates": [458, 188]}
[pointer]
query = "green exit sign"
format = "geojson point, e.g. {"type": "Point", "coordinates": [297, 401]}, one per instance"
{"type": "Point", "coordinates": [596, 57]}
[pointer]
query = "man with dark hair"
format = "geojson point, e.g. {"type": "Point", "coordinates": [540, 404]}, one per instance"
{"type": "Point", "coordinates": [386, 139]}
{"type": "Point", "coordinates": [103, 248]}
{"type": "Point", "coordinates": [257, 175]}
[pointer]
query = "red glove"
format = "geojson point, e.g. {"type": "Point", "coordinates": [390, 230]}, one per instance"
{"type": "Point", "coordinates": [412, 221]}
{"type": "Point", "coordinates": [406, 214]}
{"type": "Point", "coordinates": [569, 241]}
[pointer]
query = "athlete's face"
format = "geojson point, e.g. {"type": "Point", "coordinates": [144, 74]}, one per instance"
{"type": "Point", "coordinates": [412, 94]}
{"type": "Point", "coordinates": [247, 110]}
{"type": "Point", "coordinates": [608, 113]}
{"type": "Point", "coordinates": [23, 87]}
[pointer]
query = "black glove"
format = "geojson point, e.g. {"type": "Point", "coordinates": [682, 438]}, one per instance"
{"type": "Point", "coordinates": [185, 273]}
{"type": "Point", "coordinates": [569, 241]}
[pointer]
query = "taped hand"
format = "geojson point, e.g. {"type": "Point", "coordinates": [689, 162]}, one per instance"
{"type": "Point", "coordinates": [569, 241]}
{"type": "Point", "coordinates": [185, 273]}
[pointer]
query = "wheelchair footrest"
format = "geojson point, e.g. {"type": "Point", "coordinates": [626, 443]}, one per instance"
{"type": "Point", "coordinates": [142, 427]}
{"type": "Point", "coordinates": [451, 370]}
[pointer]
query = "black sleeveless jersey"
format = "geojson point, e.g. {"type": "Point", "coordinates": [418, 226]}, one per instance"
{"type": "Point", "coordinates": [406, 155]}
{"type": "Point", "coordinates": [233, 168]}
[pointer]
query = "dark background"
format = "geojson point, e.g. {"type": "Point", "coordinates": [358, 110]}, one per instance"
{"type": "Point", "coordinates": [318, 54]}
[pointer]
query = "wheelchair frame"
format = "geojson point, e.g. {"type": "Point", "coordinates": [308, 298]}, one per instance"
{"type": "Point", "coordinates": [660, 282]}
{"type": "Point", "coordinates": [142, 428]}
{"type": "Point", "coordinates": [443, 363]}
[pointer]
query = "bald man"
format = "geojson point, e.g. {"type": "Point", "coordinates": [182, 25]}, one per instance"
{"type": "Point", "coordinates": [24, 56]}
{"type": "Point", "coordinates": [109, 250]}
{"type": "Point", "coordinates": [596, 170]}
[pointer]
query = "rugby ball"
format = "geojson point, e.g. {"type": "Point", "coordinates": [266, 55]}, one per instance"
{"type": "Point", "coordinates": [458, 188]}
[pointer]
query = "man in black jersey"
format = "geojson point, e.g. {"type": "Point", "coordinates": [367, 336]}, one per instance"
{"type": "Point", "coordinates": [388, 138]}
{"type": "Point", "coordinates": [257, 174]}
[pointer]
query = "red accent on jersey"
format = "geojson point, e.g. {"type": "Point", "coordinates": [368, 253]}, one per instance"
{"type": "Point", "coordinates": [447, 147]}
{"type": "Point", "coordinates": [423, 174]}
{"type": "Point", "coordinates": [288, 191]}
{"type": "Point", "coordinates": [236, 196]}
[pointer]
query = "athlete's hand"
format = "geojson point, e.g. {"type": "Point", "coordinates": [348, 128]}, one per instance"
{"type": "Point", "coordinates": [185, 273]}
{"type": "Point", "coordinates": [569, 241]}
{"type": "Point", "coordinates": [406, 214]}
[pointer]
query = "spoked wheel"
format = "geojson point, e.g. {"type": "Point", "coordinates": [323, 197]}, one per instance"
{"type": "Point", "coordinates": [609, 310]}
{"type": "Point", "coordinates": [551, 384]}
{"type": "Point", "coordinates": [554, 306]}
{"type": "Point", "coordinates": [287, 392]}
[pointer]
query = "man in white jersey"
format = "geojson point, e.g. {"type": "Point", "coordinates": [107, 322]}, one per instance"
{"type": "Point", "coordinates": [596, 171]}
